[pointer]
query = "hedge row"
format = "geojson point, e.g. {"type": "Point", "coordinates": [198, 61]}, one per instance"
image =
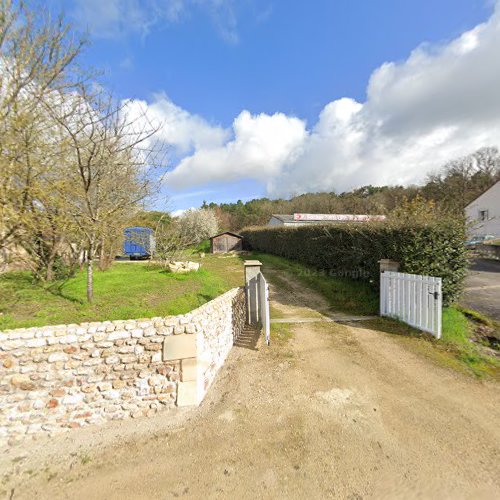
{"type": "Point", "coordinates": [353, 250]}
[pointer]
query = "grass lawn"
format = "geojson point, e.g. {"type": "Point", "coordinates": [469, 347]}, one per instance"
{"type": "Point", "coordinates": [125, 291]}
{"type": "Point", "coordinates": [455, 348]}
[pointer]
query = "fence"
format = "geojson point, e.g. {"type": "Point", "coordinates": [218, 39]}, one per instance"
{"type": "Point", "coordinates": [413, 299]}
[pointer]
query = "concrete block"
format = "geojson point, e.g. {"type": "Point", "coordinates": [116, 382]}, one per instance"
{"type": "Point", "coordinates": [189, 369]}
{"type": "Point", "coordinates": [179, 347]}
{"type": "Point", "coordinates": [187, 394]}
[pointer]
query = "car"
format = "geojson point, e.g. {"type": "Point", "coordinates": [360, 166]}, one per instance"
{"type": "Point", "coordinates": [480, 240]}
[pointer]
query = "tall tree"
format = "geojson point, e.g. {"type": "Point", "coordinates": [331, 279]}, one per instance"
{"type": "Point", "coordinates": [37, 56]}
{"type": "Point", "coordinates": [106, 165]}
{"type": "Point", "coordinates": [463, 179]}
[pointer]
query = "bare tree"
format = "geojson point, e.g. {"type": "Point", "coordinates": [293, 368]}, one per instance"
{"type": "Point", "coordinates": [169, 242]}
{"type": "Point", "coordinates": [73, 163]}
{"type": "Point", "coordinates": [106, 164]}
{"type": "Point", "coordinates": [37, 57]}
{"type": "Point", "coordinates": [464, 179]}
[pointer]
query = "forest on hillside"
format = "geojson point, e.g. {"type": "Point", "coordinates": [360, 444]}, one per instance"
{"type": "Point", "coordinates": [452, 189]}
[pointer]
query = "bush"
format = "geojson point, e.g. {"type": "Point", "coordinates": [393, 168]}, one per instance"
{"type": "Point", "coordinates": [434, 248]}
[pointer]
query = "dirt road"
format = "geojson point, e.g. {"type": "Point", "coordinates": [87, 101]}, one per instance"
{"type": "Point", "coordinates": [338, 411]}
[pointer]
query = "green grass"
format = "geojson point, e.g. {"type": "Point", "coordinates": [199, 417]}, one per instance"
{"type": "Point", "coordinates": [456, 327]}
{"type": "Point", "coordinates": [281, 333]}
{"type": "Point", "coordinates": [204, 247]}
{"type": "Point", "coordinates": [125, 291]}
{"type": "Point", "coordinates": [343, 295]}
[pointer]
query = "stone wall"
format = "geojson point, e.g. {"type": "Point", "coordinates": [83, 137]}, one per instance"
{"type": "Point", "coordinates": [59, 377]}
{"type": "Point", "coordinates": [217, 339]}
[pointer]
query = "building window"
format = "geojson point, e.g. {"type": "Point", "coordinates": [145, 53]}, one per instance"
{"type": "Point", "coordinates": [483, 214]}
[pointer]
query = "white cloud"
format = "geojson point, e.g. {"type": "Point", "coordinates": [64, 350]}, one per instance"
{"type": "Point", "coordinates": [260, 146]}
{"type": "Point", "coordinates": [115, 19]}
{"type": "Point", "coordinates": [183, 131]}
{"type": "Point", "coordinates": [442, 102]}
{"type": "Point", "coordinates": [181, 211]}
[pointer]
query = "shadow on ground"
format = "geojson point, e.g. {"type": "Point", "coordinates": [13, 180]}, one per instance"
{"type": "Point", "coordinates": [248, 338]}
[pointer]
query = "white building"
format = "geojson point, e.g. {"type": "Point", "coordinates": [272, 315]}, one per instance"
{"type": "Point", "coordinates": [302, 219]}
{"type": "Point", "coordinates": [484, 212]}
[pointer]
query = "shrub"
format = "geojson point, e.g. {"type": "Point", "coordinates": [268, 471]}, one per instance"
{"type": "Point", "coordinates": [434, 248]}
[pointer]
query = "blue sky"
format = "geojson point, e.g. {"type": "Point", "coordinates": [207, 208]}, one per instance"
{"type": "Point", "coordinates": [256, 87]}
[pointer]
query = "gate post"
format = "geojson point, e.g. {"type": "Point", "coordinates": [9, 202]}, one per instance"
{"type": "Point", "coordinates": [252, 271]}
{"type": "Point", "coordinates": [388, 265]}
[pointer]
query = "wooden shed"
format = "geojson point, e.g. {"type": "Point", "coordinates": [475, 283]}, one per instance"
{"type": "Point", "coordinates": [226, 242]}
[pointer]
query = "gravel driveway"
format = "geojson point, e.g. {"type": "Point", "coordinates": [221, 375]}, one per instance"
{"type": "Point", "coordinates": [482, 288]}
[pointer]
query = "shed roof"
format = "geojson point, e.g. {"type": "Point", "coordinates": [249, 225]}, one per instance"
{"type": "Point", "coordinates": [227, 232]}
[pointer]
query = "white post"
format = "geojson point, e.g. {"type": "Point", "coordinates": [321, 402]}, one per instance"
{"type": "Point", "coordinates": [386, 265]}
{"type": "Point", "coordinates": [440, 308]}
{"type": "Point", "coordinates": [383, 294]}
{"type": "Point", "coordinates": [252, 271]}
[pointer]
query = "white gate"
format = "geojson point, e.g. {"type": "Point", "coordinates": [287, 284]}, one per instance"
{"type": "Point", "coordinates": [413, 299]}
{"type": "Point", "coordinates": [264, 307]}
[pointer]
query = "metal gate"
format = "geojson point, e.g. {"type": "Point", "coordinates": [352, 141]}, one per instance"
{"type": "Point", "coordinates": [414, 299]}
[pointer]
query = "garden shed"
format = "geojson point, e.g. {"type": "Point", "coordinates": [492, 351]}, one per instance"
{"type": "Point", "coordinates": [226, 242]}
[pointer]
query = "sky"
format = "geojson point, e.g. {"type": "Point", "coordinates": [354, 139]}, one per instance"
{"type": "Point", "coordinates": [277, 98]}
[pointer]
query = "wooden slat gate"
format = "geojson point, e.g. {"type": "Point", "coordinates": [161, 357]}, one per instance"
{"type": "Point", "coordinates": [413, 299]}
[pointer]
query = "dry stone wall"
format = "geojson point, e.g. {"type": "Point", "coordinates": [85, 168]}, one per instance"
{"type": "Point", "coordinates": [216, 340]}
{"type": "Point", "coordinates": [59, 377]}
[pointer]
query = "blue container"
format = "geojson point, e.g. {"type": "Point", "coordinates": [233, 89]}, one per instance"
{"type": "Point", "coordinates": [139, 242]}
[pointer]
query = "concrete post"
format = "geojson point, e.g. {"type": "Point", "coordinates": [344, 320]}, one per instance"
{"type": "Point", "coordinates": [252, 270]}
{"type": "Point", "coordinates": [388, 265]}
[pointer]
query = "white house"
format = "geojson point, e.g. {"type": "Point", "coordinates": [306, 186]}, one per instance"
{"type": "Point", "coordinates": [484, 212]}
{"type": "Point", "coordinates": [302, 219]}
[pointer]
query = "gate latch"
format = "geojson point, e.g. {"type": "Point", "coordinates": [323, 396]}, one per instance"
{"type": "Point", "coordinates": [435, 294]}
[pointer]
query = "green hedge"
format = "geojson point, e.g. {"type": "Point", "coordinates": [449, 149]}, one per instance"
{"type": "Point", "coordinates": [353, 250]}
